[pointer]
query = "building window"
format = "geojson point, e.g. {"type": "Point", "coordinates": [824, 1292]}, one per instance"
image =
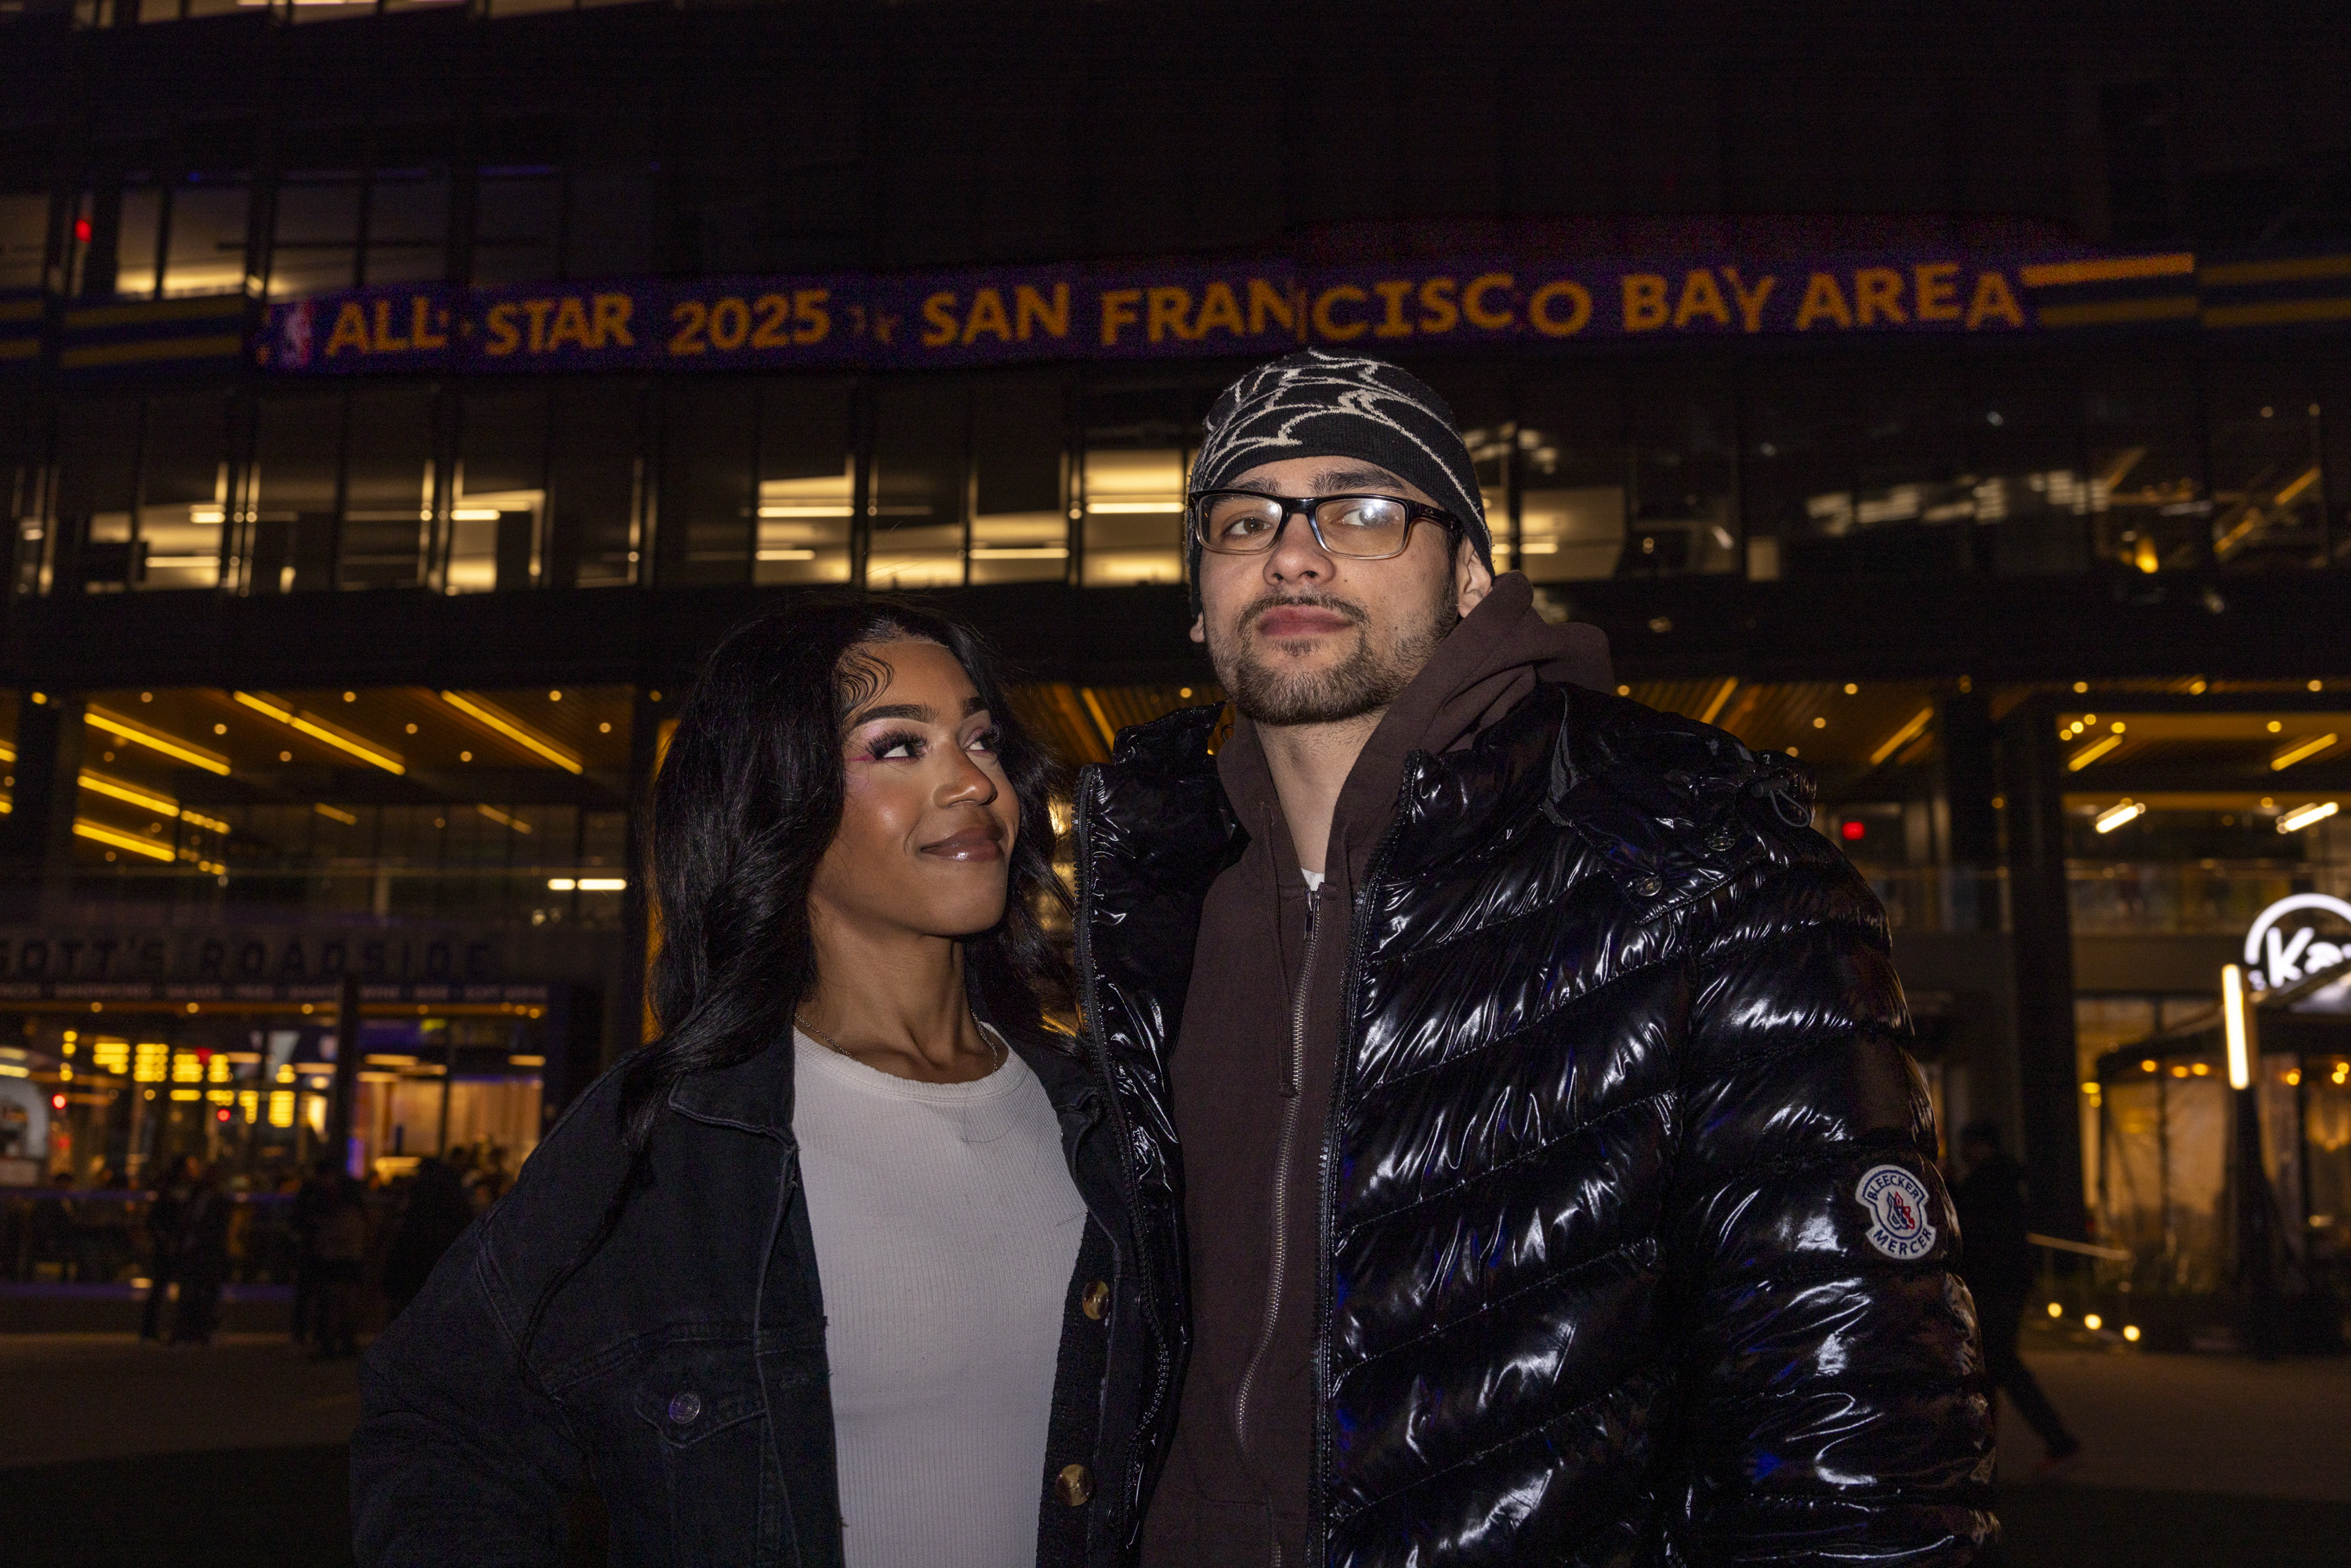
{"type": "Point", "coordinates": [594, 482]}
{"type": "Point", "coordinates": [916, 507]}
{"type": "Point", "coordinates": [1139, 444]}
{"type": "Point", "coordinates": [1573, 470]}
{"type": "Point", "coordinates": [807, 483]}
{"type": "Point", "coordinates": [2150, 504]}
{"type": "Point", "coordinates": [138, 241]}
{"type": "Point", "coordinates": [709, 438]}
{"type": "Point", "coordinates": [316, 243]}
{"type": "Point", "coordinates": [183, 490]}
{"type": "Point", "coordinates": [611, 229]}
{"type": "Point", "coordinates": [388, 492]}
{"type": "Point", "coordinates": [2269, 492]}
{"type": "Point", "coordinates": [497, 508]}
{"type": "Point", "coordinates": [407, 227]}
{"type": "Point", "coordinates": [1020, 509]}
{"type": "Point", "coordinates": [204, 249]}
{"type": "Point", "coordinates": [288, 544]}
{"type": "Point", "coordinates": [96, 469]}
{"type": "Point", "coordinates": [517, 224]}
{"type": "Point", "coordinates": [24, 238]}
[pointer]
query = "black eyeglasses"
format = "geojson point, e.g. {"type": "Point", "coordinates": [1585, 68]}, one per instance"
{"type": "Point", "coordinates": [1360, 527]}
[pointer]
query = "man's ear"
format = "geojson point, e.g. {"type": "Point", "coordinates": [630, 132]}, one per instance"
{"type": "Point", "coordinates": [1200, 627]}
{"type": "Point", "coordinates": [1472, 579]}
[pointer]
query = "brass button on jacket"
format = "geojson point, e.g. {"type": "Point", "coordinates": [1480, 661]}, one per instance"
{"type": "Point", "coordinates": [1096, 1301]}
{"type": "Point", "coordinates": [1075, 1485]}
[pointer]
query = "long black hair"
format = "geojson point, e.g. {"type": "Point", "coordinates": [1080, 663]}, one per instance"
{"type": "Point", "coordinates": [747, 801]}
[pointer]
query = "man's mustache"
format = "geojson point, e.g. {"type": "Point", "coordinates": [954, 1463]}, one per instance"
{"type": "Point", "coordinates": [1347, 609]}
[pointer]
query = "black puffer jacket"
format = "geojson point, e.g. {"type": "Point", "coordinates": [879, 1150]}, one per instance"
{"type": "Point", "coordinates": [1634, 1249]}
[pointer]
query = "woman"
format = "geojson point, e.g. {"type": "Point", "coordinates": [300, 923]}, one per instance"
{"type": "Point", "coordinates": [838, 1270]}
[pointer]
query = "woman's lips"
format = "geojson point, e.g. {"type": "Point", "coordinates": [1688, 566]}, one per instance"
{"type": "Point", "coordinates": [971, 844]}
{"type": "Point", "coordinates": [1299, 621]}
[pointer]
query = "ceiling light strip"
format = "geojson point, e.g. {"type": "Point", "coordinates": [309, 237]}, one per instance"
{"type": "Point", "coordinates": [1903, 736]}
{"type": "Point", "coordinates": [120, 841]}
{"type": "Point", "coordinates": [483, 712]}
{"type": "Point", "coordinates": [2301, 751]}
{"type": "Point", "coordinates": [2092, 752]}
{"type": "Point", "coordinates": [318, 729]}
{"type": "Point", "coordinates": [140, 735]}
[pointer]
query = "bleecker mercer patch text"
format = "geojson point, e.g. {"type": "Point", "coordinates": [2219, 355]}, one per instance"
{"type": "Point", "coordinates": [1897, 1201]}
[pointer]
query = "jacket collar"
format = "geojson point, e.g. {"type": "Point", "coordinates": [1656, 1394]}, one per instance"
{"type": "Point", "coordinates": [755, 1095]}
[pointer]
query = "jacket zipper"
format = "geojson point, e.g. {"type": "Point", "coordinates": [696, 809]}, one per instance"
{"type": "Point", "coordinates": [1090, 1001]}
{"type": "Point", "coordinates": [1326, 1240]}
{"type": "Point", "coordinates": [1294, 1093]}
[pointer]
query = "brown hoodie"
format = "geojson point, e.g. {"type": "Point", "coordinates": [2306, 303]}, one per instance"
{"type": "Point", "coordinates": [1253, 1071]}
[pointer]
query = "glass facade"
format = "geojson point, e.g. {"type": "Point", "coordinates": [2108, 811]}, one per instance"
{"type": "Point", "coordinates": [2031, 465]}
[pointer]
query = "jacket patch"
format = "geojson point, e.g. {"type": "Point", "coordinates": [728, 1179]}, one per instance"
{"type": "Point", "coordinates": [1897, 1201]}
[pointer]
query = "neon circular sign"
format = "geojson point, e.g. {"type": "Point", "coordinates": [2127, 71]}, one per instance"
{"type": "Point", "coordinates": [2276, 957]}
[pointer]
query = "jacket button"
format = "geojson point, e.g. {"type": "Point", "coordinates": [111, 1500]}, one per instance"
{"type": "Point", "coordinates": [685, 1408]}
{"type": "Point", "coordinates": [1075, 1485]}
{"type": "Point", "coordinates": [1720, 838]}
{"type": "Point", "coordinates": [1096, 1301]}
{"type": "Point", "coordinates": [1646, 886]}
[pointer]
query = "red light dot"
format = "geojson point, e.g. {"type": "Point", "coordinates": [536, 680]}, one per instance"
{"type": "Point", "coordinates": [1853, 830]}
{"type": "Point", "coordinates": [221, 1114]}
{"type": "Point", "coordinates": [57, 1102]}
{"type": "Point", "coordinates": [81, 230]}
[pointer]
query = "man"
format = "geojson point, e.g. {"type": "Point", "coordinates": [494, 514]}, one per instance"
{"type": "Point", "coordinates": [166, 1212]}
{"type": "Point", "coordinates": [1525, 1073]}
{"type": "Point", "coordinates": [1997, 1264]}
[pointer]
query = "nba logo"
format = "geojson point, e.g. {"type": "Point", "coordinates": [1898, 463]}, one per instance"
{"type": "Point", "coordinates": [1897, 1202]}
{"type": "Point", "coordinates": [296, 329]}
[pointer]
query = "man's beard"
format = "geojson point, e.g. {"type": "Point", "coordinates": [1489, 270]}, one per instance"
{"type": "Point", "coordinates": [1367, 680]}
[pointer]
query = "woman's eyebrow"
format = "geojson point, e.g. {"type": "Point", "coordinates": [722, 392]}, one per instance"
{"type": "Point", "coordinates": [918, 712]}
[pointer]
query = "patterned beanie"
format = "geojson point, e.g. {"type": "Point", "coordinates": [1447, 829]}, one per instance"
{"type": "Point", "coordinates": [1318, 404]}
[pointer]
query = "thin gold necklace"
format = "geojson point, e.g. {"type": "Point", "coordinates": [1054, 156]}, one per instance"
{"type": "Point", "coordinates": [832, 1045]}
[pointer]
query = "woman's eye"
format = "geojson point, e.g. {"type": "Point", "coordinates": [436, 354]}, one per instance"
{"type": "Point", "coordinates": [983, 741]}
{"type": "Point", "coordinates": [895, 747]}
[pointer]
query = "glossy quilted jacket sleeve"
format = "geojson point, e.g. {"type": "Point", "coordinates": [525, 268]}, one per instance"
{"type": "Point", "coordinates": [1836, 1406]}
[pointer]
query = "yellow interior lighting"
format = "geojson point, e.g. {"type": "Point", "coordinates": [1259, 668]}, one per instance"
{"type": "Point", "coordinates": [504, 820]}
{"type": "Point", "coordinates": [171, 747]}
{"type": "Point", "coordinates": [2092, 752]}
{"type": "Point", "coordinates": [2232, 1013]}
{"type": "Point", "coordinates": [1714, 704]}
{"type": "Point", "coordinates": [2115, 816]}
{"type": "Point", "coordinates": [2301, 817]}
{"type": "Point", "coordinates": [2300, 751]}
{"type": "Point", "coordinates": [1903, 736]}
{"type": "Point", "coordinates": [147, 800]}
{"type": "Point", "coordinates": [336, 813]}
{"type": "Point", "coordinates": [488, 714]}
{"type": "Point", "coordinates": [84, 828]}
{"type": "Point", "coordinates": [320, 729]}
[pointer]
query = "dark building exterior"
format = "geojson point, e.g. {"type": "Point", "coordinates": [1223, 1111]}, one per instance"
{"type": "Point", "coordinates": [395, 407]}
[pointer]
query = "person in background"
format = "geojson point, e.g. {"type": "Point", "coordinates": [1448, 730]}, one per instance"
{"type": "Point", "coordinates": [201, 1263]}
{"type": "Point", "coordinates": [1996, 1264]}
{"type": "Point", "coordinates": [302, 1225]}
{"type": "Point", "coordinates": [54, 1229]}
{"type": "Point", "coordinates": [339, 1261]}
{"type": "Point", "coordinates": [437, 1210]}
{"type": "Point", "coordinates": [164, 1212]}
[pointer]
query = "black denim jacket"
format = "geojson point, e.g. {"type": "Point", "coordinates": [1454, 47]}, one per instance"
{"type": "Point", "coordinates": [681, 1371]}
